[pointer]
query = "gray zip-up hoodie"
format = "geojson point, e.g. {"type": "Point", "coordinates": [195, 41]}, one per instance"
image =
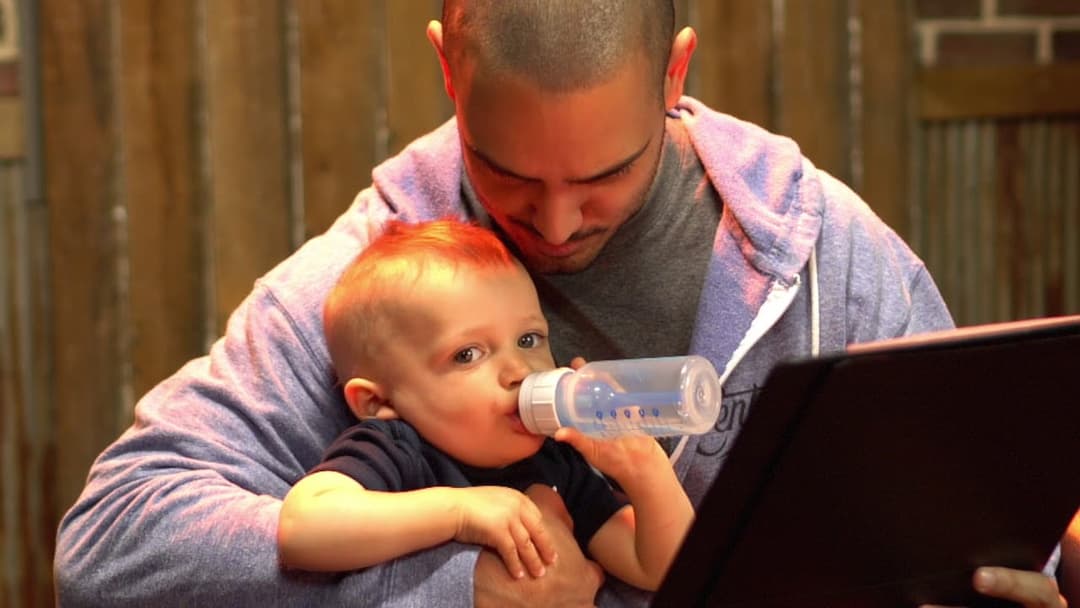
{"type": "Point", "coordinates": [182, 509]}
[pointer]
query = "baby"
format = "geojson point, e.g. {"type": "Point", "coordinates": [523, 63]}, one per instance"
{"type": "Point", "coordinates": [431, 331]}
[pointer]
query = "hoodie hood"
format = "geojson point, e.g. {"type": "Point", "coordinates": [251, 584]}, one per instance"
{"type": "Point", "coordinates": [773, 206]}
{"type": "Point", "coordinates": [773, 201]}
{"type": "Point", "coordinates": [772, 210]}
{"type": "Point", "coordinates": [423, 182]}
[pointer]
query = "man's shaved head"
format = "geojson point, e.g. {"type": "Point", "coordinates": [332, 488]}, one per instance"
{"type": "Point", "coordinates": [559, 45]}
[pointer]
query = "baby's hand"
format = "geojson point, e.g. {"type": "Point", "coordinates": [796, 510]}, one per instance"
{"type": "Point", "coordinates": [621, 457]}
{"type": "Point", "coordinates": [509, 522]}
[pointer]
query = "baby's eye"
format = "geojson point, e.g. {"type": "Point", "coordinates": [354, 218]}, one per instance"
{"type": "Point", "coordinates": [467, 355]}
{"type": "Point", "coordinates": [531, 340]}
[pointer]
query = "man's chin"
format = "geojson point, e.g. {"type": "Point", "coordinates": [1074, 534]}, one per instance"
{"type": "Point", "coordinates": [538, 260]}
{"type": "Point", "coordinates": [543, 264]}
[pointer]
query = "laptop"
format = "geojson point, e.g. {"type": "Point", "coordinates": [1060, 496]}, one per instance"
{"type": "Point", "coordinates": [885, 475]}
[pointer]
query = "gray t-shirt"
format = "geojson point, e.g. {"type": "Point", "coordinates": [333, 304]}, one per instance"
{"type": "Point", "coordinates": [639, 298]}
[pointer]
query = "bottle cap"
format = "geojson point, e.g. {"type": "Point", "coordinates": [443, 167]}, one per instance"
{"type": "Point", "coordinates": [701, 395]}
{"type": "Point", "coordinates": [536, 401]}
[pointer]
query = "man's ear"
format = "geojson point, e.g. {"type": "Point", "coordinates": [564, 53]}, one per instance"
{"type": "Point", "coordinates": [435, 35]}
{"type": "Point", "coordinates": [366, 399]}
{"type": "Point", "coordinates": [682, 49]}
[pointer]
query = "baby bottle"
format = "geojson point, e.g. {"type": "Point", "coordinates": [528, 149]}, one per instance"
{"type": "Point", "coordinates": [660, 396]}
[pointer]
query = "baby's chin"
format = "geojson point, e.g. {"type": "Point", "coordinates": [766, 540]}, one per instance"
{"type": "Point", "coordinates": [529, 445]}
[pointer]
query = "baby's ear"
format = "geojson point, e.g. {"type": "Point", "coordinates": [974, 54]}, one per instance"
{"type": "Point", "coordinates": [366, 399]}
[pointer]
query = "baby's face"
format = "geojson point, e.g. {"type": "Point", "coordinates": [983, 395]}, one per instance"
{"type": "Point", "coordinates": [464, 341]}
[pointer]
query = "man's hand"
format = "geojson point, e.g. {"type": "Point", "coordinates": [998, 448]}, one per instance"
{"type": "Point", "coordinates": [1034, 589]}
{"type": "Point", "coordinates": [1030, 589]}
{"type": "Point", "coordinates": [571, 581]}
{"type": "Point", "coordinates": [509, 522]}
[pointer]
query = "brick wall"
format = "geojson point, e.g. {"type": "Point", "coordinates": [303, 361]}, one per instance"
{"type": "Point", "coordinates": [960, 33]}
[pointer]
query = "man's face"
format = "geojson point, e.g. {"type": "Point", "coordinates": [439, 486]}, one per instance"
{"type": "Point", "coordinates": [560, 172]}
{"type": "Point", "coordinates": [462, 342]}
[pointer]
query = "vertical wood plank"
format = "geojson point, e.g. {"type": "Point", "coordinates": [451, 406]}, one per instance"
{"type": "Point", "coordinates": [813, 95]}
{"type": "Point", "coordinates": [13, 556]}
{"type": "Point", "coordinates": [11, 135]}
{"type": "Point", "coordinates": [42, 376]}
{"type": "Point", "coordinates": [416, 98]}
{"type": "Point", "coordinates": [684, 12]}
{"type": "Point", "coordinates": [29, 515]}
{"type": "Point", "coordinates": [342, 99]}
{"type": "Point", "coordinates": [248, 145]}
{"type": "Point", "coordinates": [733, 58]}
{"type": "Point", "coordinates": [30, 512]}
{"type": "Point", "coordinates": [158, 95]}
{"type": "Point", "coordinates": [41, 490]}
{"type": "Point", "coordinates": [80, 173]}
{"type": "Point", "coordinates": [886, 118]}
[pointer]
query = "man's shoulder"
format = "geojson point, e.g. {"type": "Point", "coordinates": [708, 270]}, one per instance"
{"type": "Point", "coordinates": [423, 181]}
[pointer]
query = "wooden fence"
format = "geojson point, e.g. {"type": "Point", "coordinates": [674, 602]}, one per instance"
{"type": "Point", "coordinates": [178, 149]}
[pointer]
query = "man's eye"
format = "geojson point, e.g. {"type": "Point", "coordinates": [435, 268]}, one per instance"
{"type": "Point", "coordinates": [504, 177]}
{"type": "Point", "coordinates": [625, 169]}
{"type": "Point", "coordinates": [530, 340]}
{"type": "Point", "coordinates": [467, 355]}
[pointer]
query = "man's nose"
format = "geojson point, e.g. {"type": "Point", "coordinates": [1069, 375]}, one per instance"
{"type": "Point", "coordinates": [557, 215]}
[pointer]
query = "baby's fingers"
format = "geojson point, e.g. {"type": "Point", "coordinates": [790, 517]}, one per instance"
{"type": "Point", "coordinates": [585, 445]}
{"type": "Point", "coordinates": [572, 436]}
{"type": "Point", "coordinates": [542, 541]}
{"type": "Point", "coordinates": [528, 552]}
{"type": "Point", "coordinates": [508, 551]}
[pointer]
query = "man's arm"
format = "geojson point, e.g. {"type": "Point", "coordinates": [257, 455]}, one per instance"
{"type": "Point", "coordinates": [183, 508]}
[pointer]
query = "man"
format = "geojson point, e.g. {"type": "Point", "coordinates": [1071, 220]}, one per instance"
{"type": "Point", "coordinates": [652, 225]}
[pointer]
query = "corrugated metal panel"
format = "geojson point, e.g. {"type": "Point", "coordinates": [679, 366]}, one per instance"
{"type": "Point", "coordinates": [995, 214]}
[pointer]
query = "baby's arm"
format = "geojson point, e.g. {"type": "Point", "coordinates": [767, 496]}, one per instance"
{"type": "Point", "coordinates": [329, 522]}
{"type": "Point", "coordinates": [640, 541]}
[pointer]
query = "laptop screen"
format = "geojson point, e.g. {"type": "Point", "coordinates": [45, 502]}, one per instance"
{"type": "Point", "coordinates": [886, 475]}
